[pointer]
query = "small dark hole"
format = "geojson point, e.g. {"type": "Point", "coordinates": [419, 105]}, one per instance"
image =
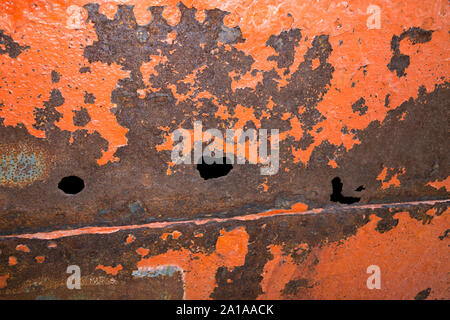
{"type": "Point", "coordinates": [337, 196]}
{"type": "Point", "coordinates": [211, 168]}
{"type": "Point", "coordinates": [360, 188]}
{"type": "Point", "coordinates": [71, 185]}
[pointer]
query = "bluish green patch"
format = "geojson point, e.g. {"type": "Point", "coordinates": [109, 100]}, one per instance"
{"type": "Point", "coordinates": [156, 272]}
{"type": "Point", "coordinates": [20, 168]}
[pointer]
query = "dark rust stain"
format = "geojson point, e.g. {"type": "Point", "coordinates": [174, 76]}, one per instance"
{"type": "Point", "coordinates": [9, 46]}
{"type": "Point", "coordinates": [399, 61]}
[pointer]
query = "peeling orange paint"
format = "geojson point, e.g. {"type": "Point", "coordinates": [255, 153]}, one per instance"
{"type": "Point", "coordinates": [148, 68]}
{"type": "Point", "coordinates": [52, 245]}
{"type": "Point", "coordinates": [265, 186]}
{"type": "Point", "coordinates": [175, 235]}
{"type": "Point", "coordinates": [393, 181]}
{"type": "Point", "coordinates": [3, 280]}
{"type": "Point", "coordinates": [350, 32]}
{"type": "Point", "coordinates": [200, 269]}
{"type": "Point", "coordinates": [333, 163]}
{"type": "Point", "coordinates": [359, 57]}
{"type": "Point", "coordinates": [12, 261]}
{"type": "Point", "coordinates": [257, 20]}
{"type": "Point", "coordinates": [110, 270]}
{"type": "Point", "coordinates": [340, 268]}
{"type": "Point", "coordinates": [23, 248]}
{"type": "Point", "coordinates": [142, 252]}
{"type": "Point", "coordinates": [130, 239]}
{"type": "Point", "coordinates": [108, 9]}
{"type": "Point", "coordinates": [246, 81]}
{"type": "Point", "coordinates": [299, 207]}
{"type": "Point", "coordinates": [315, 63]}
{"type": "Point", "coordinates": [200, 15]}
{"type": "Point", "coordinates": [441, 184]}
{"type": "Point", "coordinates": [172, 14]}
{"type": "Point", "coordinates": [368, 247]}
{"type": "Point", "coordinates": [277, 272]}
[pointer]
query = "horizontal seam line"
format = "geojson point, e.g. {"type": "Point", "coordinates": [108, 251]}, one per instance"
{"type": "Point", "coordinates": [56, 234]}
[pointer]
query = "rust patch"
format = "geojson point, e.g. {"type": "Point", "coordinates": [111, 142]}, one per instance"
{"type": "Point", "coordinates": [279, 257]}
{"type": "Point", "coordinates": [9, 46]}
{"type": "Point", "coordinates": [199, 269]}
{"type": "Point", "coordinates": [94, 89]}
{"type": "Point", "coordinates": [134, 77]}
{"type": "Point", "coordinates": [399, 62]}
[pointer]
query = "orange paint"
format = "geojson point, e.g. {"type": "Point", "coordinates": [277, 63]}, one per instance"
{"type": "Point", "coordinates": [346, 25]}
{"type": "Point", "coordinates": [244, 114]}
{"type": "Point", "coordinates": [441, 184]}
{"type": "Point", "coordinates": [296, 130]}
{"type": "Point", "coordinates": [315, 63]}
{"type": "Point", "coordinates": [333, 164]}
{"type": "Point", "coordinates": [110, 270]}
{"type": "Point", "coordinates": [286, 115]}
{"type": "Point", "coordinates": [172, 15]}
{"type": "Point", "coordinates": [420, 268]}
{"type": "Point", "coordinates": [339, 270]}
{"type": "Point", "coordinates": [23, 248]}
{"type": "Point", "coordinates": [32, 84]}
{"type": "Point", "coordinates": [200, 269]}
{"type": "Point", "coordinates": [3, 280]}
{"type": "Point", "coordinates": [277, 272]}
{"type": "Point", "coordinates": [200, 15]}
{"type": "Point", "coordinates": [141, 12]}
{"type": "Point", "coordinates": [265, 186]}
{"type": "Point", "coordinates": [231, 20]}
{"type": "Point", "coordinates": [393, 181]}
{"type": "Point", "coordinates": [130, 239]}
{"type": "Point", "coordinates": [142, 252]}
{"type": "Point", "coordinates": [148, 68]}
{"type": "Point", "coordinates": [52, 245]}
{"type": "Point", "coordinates": [359, 58]}
{"type": "Point", "coordinates": [382, 175]}
{"type": "Point", "coordinates": [12, 261]}
{"type": "Point", "coordinates": [175, 235]}
{"type": "Point", "coordinates": [246, 81]}
{"type": "Point", "coordinates": [171, 37]}
{"type": "Point", "coordinates": [299, 207]}
{"type": "Point", "coordinates": [31, 23]}
{"type": "Point", "coordinates": [109, 10]}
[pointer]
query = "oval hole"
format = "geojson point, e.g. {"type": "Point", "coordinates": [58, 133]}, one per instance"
{"type": "Point", "coordinates": [71, 185]}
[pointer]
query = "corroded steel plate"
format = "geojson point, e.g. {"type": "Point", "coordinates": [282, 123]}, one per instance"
{"type": "Point", "coordinates": [94, 91]}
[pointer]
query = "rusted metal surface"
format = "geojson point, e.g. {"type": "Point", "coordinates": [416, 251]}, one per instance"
{"type": "Point", "coordinates": [358, 91]}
